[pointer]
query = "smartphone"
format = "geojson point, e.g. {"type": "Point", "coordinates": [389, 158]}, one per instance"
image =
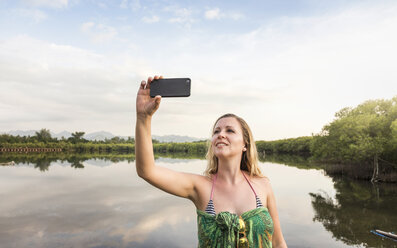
{"type": "Point", "coordinates": [170, 87]}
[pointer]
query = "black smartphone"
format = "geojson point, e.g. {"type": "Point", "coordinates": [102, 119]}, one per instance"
{"type": "Point", "coordinates": [170, 87]}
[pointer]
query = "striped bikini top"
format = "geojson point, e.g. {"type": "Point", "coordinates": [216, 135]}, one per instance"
{"type": "Point", "coordinates": [210, 206]}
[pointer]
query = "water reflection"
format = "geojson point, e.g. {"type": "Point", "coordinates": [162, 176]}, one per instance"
{"type": "Point", "coordinates": [301, 162]}
{"type": "Point", "coordinates": [43, 161]}
{"type": "Point", "coordinates": [357, 208]}
{"type": "Point", "coordinates": [85, 201]}
{"type": "Point", "coordinates": [95, 207]}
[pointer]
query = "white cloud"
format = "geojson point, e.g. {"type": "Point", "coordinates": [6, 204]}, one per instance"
{"type": "Point", "coordinates": [287, 77]}
{"type": "Point", "coordinates": [216, 14]}
{"type": "Point", "coordinates": [86, 27]}
{"type": "Point", "coordinates": [298, 70]}
{"type": "Point", "coordinates": [132, 4]}
{"type": "Point", "coordinates": [34, 14]}
{"type": "Point", "coordinates": [152, 19]}
{"type": "Point", "coordinates": [71, 93]}
{"type": "Point", "coordinates": [212, 14]}
{"type": "Point", "coordinates": [235, 15]}
{"type": "Point", "coordinates": [180, 15]}
{"type": "Point", "coordinates": [47, 3]}
{"type": "Point", "coordinates": [99, 32]}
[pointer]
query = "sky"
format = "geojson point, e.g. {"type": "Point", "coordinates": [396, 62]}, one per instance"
{"type": "Point", "coordinates": [286, 67]}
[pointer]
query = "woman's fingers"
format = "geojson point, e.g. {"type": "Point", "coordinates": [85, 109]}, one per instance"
{"type": "Point", "coordinates": [146, 105]}
{"type": "Point", "coordinates": [143, 84]}
{"type": "Point", "coordinates": [157, 101]}
{"type": "Point", "coordinates": [150, 80]}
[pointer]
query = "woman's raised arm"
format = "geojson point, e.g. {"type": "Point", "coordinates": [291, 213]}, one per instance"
{"type": "Point", "coordinates": [173, 182]}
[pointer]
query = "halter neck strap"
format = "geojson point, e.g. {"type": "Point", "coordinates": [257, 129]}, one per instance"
{"type": "Point", "coordinates": [213, 183]}
{"type": "Point", "coordinates": [214, 180]}
{"type": "Point", "coordinates": [249, 183]}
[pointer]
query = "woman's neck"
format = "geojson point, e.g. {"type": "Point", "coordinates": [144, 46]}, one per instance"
{"type": "Point", "coordinates": [229, 171]}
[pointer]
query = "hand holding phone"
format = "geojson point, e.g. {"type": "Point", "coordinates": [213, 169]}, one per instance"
{"type": "Point", "coordinates": [145, 105]}
{"type": "Point", "coordinates": [170, 87]}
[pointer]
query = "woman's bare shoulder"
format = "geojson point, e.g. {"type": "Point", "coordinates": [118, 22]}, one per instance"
{"type": "Point", "coordinates": [262, 181]}
{"type": "Point", "coordinates": [202, 185]}
{"type": "Point", "coordinates": [202, 179]}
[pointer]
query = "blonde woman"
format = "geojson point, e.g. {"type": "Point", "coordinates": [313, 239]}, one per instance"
{"type": "Point", "coordinates": [235, 202]}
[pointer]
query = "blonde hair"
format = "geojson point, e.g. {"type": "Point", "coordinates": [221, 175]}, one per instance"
{"type": "Point", "coordinates": [249, 159]}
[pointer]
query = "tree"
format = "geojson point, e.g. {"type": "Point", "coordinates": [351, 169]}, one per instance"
{"type": "Point", "coordinates": [132, 140]}
{"type": "Point", "coordinates": [117, 140]}
{"type": "Point", "coordinates": [360, 134]}
{"type": "Point", "coordinates": [77, 137]}
{"type": "Point", "coordinates": [44, 135]}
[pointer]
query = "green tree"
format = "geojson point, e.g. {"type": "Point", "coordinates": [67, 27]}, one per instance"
{"type": "Point", "coordinates": [44, 135]}
{"type": "Point", "coordinates": [77, 137]}
{"type": "Point", "coordinates": [361, 134]}
{"type": "Point", "coordinates": [132, 140]}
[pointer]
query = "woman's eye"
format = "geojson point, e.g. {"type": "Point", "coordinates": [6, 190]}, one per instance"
{"type": "Point", "coordinates": [216, 131]}
{"type": "Point", "coordinates": [230, 130]}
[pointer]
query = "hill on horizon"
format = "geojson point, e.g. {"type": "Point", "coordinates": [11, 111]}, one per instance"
{"type": "Point", "coordinates": [102, 135]}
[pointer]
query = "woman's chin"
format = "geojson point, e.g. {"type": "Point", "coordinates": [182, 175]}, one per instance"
{"type": "Point", "coordinates": [221, 154]}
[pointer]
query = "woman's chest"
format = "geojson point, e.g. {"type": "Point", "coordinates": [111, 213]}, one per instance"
{"type": "Point", "coordinates": [236, 201]}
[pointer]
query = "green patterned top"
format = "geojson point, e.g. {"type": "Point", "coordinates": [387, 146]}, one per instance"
{"type": "Point", "coordinates": [221, 230]}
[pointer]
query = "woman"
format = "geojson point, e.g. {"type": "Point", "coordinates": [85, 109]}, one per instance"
{"type": "Point", "coordinates": [235, 203]}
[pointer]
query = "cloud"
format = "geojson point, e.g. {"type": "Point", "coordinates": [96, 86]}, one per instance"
{"type": "Point", "coordinates": [152, 19]}
{"type": "Point", "coordinates": [34, 14]}
{"type": "Point", "coordinates": [216, 14]}
{"type": "Point", "coordinates": [99, 33]}
{"type": "Point", "coordinates": [235, 15]}
{"type": "Point", "coordinates": [212, 14]}
{"type": "Point", "coordinates": [133, 4]}
{"type": "Point", "coordinates": [180, 15]}
{"type": "Point", "coordinates": [300, 69]}
{"type": "Point", "coordinates": [72, 93]}
{"type": "Point", "coordinates": [86, 27]}
{"type": "Point", "coordinates": [47, 3]}
{"type": "Point", "coordinates": [287, 77]}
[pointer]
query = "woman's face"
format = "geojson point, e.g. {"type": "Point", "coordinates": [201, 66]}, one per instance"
{"type": "Point", "coordinates": [227, 138]}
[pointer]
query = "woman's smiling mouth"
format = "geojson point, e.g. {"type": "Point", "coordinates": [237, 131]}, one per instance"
{"type": "Point", "coordinates": [220, 144]}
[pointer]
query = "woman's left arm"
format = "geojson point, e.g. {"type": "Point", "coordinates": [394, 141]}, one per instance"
{"type": "Point", "coordinates": [277, 239]}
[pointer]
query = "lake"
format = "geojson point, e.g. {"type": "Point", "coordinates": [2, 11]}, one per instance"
{"type": "Point", "coordinates": [103, 203]}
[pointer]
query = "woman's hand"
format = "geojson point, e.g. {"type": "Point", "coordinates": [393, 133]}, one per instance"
{"type": "Point", "coordinates": [145, 105]}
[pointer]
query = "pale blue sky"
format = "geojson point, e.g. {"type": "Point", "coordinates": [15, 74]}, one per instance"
{"type": "Point", "coordinates": [284, 66]}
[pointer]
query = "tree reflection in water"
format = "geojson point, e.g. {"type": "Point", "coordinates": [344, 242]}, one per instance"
{"type": "Point", "coordinates": [358, 207]}
{"type": "Point", "coordinates": [43, 161]}
{"type": "Point", "coordinates": [42, 164]}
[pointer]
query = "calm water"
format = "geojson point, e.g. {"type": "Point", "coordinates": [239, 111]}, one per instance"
{"type": "Point", "coordinates": [98, 203]}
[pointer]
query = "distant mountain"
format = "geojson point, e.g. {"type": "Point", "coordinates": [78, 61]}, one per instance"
{"type": "Point", "coordinates": [102, 135]}
{"type": "Point", "coordinates": [21, 133]}
{"type": "Point", "coordinates": [64, 134]}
